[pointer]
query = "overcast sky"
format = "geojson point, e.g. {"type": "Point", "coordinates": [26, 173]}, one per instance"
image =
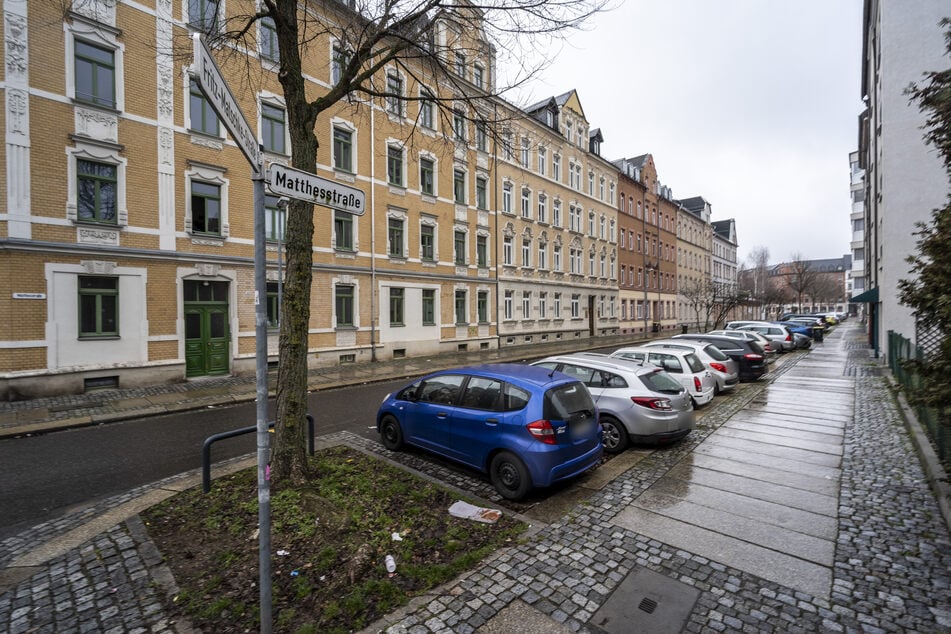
{"type": "Point", "coordinates": [752, 104]}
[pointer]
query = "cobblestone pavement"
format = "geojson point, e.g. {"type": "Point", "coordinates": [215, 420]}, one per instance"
{"type": "Point", "coordinates": [892, 570]}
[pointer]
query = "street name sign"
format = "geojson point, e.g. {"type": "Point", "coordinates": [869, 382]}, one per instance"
{"type": "Point", "coordinates": [205, 71]}
{"type": "Point", "coordinates": [301, 185]}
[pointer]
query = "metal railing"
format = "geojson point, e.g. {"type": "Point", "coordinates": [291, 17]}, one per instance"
{"type": "Point", "coordinates": [901, 349]}
{"type": "Point", "coordinates": [206, 447]}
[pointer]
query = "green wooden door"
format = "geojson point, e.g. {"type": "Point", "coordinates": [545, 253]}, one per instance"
{"type": "Point", "coordinates": [207, 341]}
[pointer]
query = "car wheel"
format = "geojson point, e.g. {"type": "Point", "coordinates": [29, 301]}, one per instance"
{"type": "Point", "coordinates": [391, 434]}
{"type": "Point", "coordinates": [509, 476]}
{"type": "Point", "coordinates": [613, 435]}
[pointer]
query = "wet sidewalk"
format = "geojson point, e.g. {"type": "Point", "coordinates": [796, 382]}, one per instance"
{"type": "Point", "coordinates": [799, 506]}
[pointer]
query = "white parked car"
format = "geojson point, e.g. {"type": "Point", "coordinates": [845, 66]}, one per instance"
{"type": "Point", "coordinates": [724, 369]}
{"type": "Point", "coordinates": [682, 365]}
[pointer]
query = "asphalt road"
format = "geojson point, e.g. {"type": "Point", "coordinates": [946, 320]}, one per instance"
{"type": "Point", "coordinates": [46, 475]}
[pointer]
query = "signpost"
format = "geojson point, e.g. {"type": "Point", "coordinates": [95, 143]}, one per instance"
{"type": "Point", "coordinates": [212, 84]}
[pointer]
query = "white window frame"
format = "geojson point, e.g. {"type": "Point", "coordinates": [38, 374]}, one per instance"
{"type": "Point", "coordinates": [99, 153]}
{"type": "Point", "coordinates": [101, 35]}
{"type": "Point", "coordinates": [213, 175]}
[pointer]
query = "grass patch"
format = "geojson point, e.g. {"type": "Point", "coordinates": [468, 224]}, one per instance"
{"type": "Point", "coordinates": [337, 531]}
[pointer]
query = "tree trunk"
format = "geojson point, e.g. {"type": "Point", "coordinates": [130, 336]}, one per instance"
{"type": "Point", "coordinates": [289, 451]}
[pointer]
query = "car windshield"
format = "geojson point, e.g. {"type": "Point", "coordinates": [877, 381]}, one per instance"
{"type": "Point", "coordinates": [660, 381]}
{"type": "Point", "coordinates": [568, 401]}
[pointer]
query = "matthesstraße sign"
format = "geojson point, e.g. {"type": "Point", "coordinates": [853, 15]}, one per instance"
{"type": "Point", "coordinates": [294, 183]}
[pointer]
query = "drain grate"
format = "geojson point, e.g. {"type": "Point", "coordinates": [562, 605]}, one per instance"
{"type": "Point", "coordinates": [646, 601]}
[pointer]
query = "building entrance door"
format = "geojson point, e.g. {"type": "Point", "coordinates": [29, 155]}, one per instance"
{"type": "Point", "coordinates": [207, 340]}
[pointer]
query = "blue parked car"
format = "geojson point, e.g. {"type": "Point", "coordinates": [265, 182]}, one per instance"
{"type": "Point", "coordinates": [525, 426]}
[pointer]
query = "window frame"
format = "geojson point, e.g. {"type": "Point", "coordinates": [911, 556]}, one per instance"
{"type": "Point", "coordinates": [273, 128]}
{"type": "Point", "coordinates": [343, 224]}
{"type": "Point", "coordinates": [397, 306]}
{"type": "Point", "coordinates": [98, 294]}
{"type": "Point", "coordinates": [344, 306]}
{"type": "Point", "coordinates": [343, 147]}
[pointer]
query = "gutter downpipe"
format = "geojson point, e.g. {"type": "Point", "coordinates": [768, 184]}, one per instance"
{"type": "Point", "coordinates": [372, 234]}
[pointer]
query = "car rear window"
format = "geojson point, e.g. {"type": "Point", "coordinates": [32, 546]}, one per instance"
{"type": "Point", "coordinates": [567, 401]}
{"type": "Point", "coordinates": [660, 381]}
{"type": "Point", "coordinates": [715, 353]}
{"type": "Point", "coordinates": [694, 363]}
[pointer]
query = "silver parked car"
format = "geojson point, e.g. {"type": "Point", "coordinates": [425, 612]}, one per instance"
{"type": "Point", "coordinates": [684, 365]}
{"type": "Point", "coordinates": [749, 335]}
{"type": "Point", "coordinates": [779, 336]}
{"type": "Point", "coordinates": [725, 371]}
{"type": "Point", "coordinates": [637, 402]}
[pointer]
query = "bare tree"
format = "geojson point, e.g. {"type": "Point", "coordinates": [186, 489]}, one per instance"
{"type": "Point", "coordinates": [711, 302]}
{"type": "Point", "coordinates": [422, 39]}
{"type": "Point", "coordinates": [801, 278]}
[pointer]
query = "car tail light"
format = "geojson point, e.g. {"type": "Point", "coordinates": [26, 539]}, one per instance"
{"type": "Point", "coordinates": [788, 337]}
{"type": "Point", "coordinates": [719, 367]}
{"type": "Point", "coordinates": [697, 385]}
{"type": "Point", "coordinates": [652, 402]}
{"type": "Point", "coordinates": [753, 357]}
{"type": "Point", "coordinates": [543, 431]}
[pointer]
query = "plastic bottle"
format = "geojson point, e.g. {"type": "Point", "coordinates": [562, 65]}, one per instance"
{"type": "Point", "coordinates": [390, 564]}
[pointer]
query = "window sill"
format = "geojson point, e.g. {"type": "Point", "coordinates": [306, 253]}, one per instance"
{"type": "Point", "coordinates": [98, 338]}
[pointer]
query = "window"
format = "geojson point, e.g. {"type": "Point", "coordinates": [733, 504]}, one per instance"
{"type": "Point", "coordinates": [542, 255]}
{"type": "Point", "coordinates": [341, 58]}
{"type": "Point", "coordinates": [95, 74]}
{"type": "Point", "coordinates": [478, 76]}
{"type": "Point", "coordinates": [459, 125]}
{"type": "Point", "coordinates": [591, 223]}
{"type": "Point", "coordinates": [556, 213]}
{"type": "Point", "coordinates": [269, 49]}
{"type": "Point", "coordinates": [206, 208]}
{"type": "Point", "coordinates": [427, 243]}
{"type": "Point", "coordinates": [427, 110]}
{"type": "Point", "coordinates": [482, 136]}
{"type": "Point", "coordinates": [602, 228]}
{"type": "Point", "coordinates": [202, 118]}
{"type": "Point", "coordinates": [343, 149]}
{"type": "Point", "coordinates": [203, 15]}
{"type": "Point", "coordinates": [526, 304]}
{"type": "Point", "coordinates": [343, 304]}
{"type": "Point", "coordinates": [394, 165]}
{"type": "Point", "coordinates": [591, 263]}
{"type": "Point", "coordinates": [542, 208]}
{"type": "Point", "coordinates": [461, 65]}
{"type": "Point", "coordinates": [507, 198]}
{"type": "Point", "coordinates": [343, 231]}
{"type": "Point", "coordinates": [526, 202]}
{"type": "Point", "coordinates": [394, 94]}
{"type": "Point", "coordinates": [556, 307]}
{"type": "Point", "coordinates": [556, 167]}
{"type": "Point", "coordinates": [482, 307]}
{"type": "Point", "coordinates": [96, 192]}
{"type": "Point", "coordinates": [98, 306]}
{"type": "Point", "coordinates": [429, 307]}
{"type": "Point", "coordinates": [575, 306]}
{"type": "Point", "coordinates": [556, 257]}
{"type": "Point", "coordinates": [459, 247]}
{"type": "Point", "coordinates": [526, 252]}
{"type": "Point", "coordinates": [507, 250]}
{"type": "Point", "coordinates": [543, 305]}
{"type": "Point", "coordinates": [461, 307]}
{"type": "Point", "coordinates": [274, 216]}
{"type": "Point", "coordinates": [459, 186]}
{"type": "Point", "coordinates": [507, 148]}
{"type": "Point", "coordinates": [273, 305]}
{"type": "Point", "coordinates": [396, 306]}
{"type": "Point", "coordinates": [572, 183]}
{"type": "Point", "coordinates": [481, 194]}
{"type": "Point", "coordinates": [507, 308]}
{"type": "Point", "coordinates": [394, 230]}
{"type": "Point", "coordinates": [482, 251]}
{"type": "Point", "coordinates": [272, 128]}
{"type": "Point", "coordinates": [526, 153]}
{"type": "Point", "coordinates": [427, 171]}
{"type": "Point", "coordinates": [542, 160]}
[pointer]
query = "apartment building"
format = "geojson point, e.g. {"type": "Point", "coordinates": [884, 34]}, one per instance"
{"type": "Point", "coordinates": [904, 178]}
{"type": "Point", "coordinates": [648, 246]}
{"type": "Point", "coordinates": [557, 226]}
{"type": "Point", "coordinates": [127, 241]}
{"type": "Point", "coordinates": [856, 278]}
{"type": "Point", "coordinates": [694, 258]}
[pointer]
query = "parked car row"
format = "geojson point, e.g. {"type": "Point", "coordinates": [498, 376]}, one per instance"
{"type": "Point", "coordinates": [530, 426]}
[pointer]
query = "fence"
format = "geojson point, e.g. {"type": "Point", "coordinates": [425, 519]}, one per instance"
{"type": "Point", "coordinates": [901, 349]}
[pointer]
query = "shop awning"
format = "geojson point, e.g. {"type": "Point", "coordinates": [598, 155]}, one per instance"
{"type": "Point", "coordinates": [868, 297]}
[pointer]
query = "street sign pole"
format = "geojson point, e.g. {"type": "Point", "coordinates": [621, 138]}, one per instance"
{"type": "Point", "coordinates": [208, 76]}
